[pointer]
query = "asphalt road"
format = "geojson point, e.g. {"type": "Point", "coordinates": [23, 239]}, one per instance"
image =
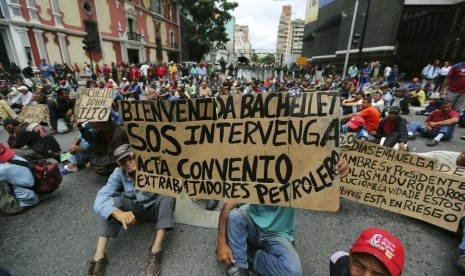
{"type": "Point", "coordinates": [57, 237]}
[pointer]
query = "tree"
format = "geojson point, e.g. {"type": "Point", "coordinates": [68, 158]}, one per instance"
{"type": "Point", "coordinates": [204, 23]}
{"type": "Point", "coordinates": [255, 57]}
{"type": "Point", "coordinates": [268, 59]}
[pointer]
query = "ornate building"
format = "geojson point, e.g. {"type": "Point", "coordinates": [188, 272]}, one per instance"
{"type": "Point", "coordinates": [122, 30]}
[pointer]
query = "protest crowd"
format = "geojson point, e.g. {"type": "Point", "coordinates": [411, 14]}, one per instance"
{"type": "Point", "coordinates": [374, 104]}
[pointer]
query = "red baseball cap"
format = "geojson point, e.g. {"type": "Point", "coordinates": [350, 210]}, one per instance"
{"type": "Point", "coordinates": [6, 153]}
{"type": "Point", "coordinates": [384, 246]}
{"type": "Point", "coordinates": [355, 122]}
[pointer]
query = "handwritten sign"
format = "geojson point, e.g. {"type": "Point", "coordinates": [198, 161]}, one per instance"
{"type": "Point", "coordinates": [93, 105]}
{"type": "Point", "coordinates": [34, 114]}
{"type": "Point", "coordinates": [404, 183]}
{"type": "Point", "coordinates": [265, 149]}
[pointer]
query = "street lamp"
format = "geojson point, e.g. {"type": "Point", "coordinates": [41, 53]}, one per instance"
{"type": "Point", "coordinates": [362, 36]}
{"type": "Point", "coordinates": [346, 61]}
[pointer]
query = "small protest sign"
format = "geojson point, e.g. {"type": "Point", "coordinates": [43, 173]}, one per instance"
{"type": "Point", "coordinates": [265, 149]}
{"type": "Point", "coordinates": [93, 105]}
{"type": "Point", "coordinates": [34, 114]}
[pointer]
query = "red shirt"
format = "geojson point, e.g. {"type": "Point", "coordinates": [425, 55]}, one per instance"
{"type": "Point", "coordinates": [134, 74]}
{"type": "Point", "coordinates": [161, 70]}
{"type": "Point", "coordinates": [437, 116]}
{"type": "Point", "coordinates": [371, 116]}
{"type": "Point", "coordinates": [457, 78]}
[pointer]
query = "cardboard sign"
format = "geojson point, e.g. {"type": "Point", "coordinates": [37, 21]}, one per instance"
{"type": "Point", "coordinates": [405, 184]}
{"type": "Point", "coordinates": [34, 114]}
{"type": "Point", "coordinates": [265, 149]}
{"type": "Point", "coordinates": [93, 105]}
{"type": "Point", "coordinates": [347, 140]}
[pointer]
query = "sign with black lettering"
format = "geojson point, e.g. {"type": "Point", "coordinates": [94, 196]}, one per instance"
{"type": "Point", "coordinates": [34, 114]}
{"type": "Point", "coordinates": [347, 140]}
{"type": "Point", "coordinates": [265, 149]}
{"type": "Point", "coordinates": [404, 183]}
{"type": "Point", "coordinates": [93, 105]}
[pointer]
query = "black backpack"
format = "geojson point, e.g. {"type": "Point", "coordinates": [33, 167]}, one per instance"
{"type": "Point", "coordinates": [47, 176]}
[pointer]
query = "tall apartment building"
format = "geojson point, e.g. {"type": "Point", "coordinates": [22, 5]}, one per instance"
{"type": "Point", "coordinates": [242, 45]}
{"type": "Point", "coordinates": [297, 36]}
{"type": "Point", "coordinates": [282, 42]}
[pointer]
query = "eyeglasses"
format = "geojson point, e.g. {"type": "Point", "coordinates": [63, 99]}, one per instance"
{"type": "Point", "coordinates": [126, 160]}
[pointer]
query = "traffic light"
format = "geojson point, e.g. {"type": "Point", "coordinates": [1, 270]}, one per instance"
{"type": "Point", "coordinates": [89, 44]}
{"type": "Point", "coordinates": [356, 39]}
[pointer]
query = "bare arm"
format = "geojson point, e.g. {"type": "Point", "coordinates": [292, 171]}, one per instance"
{"type": "Point", "coordinates": [224, 251]}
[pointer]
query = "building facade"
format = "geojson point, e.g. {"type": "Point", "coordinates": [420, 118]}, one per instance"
{"type": "Point", "coordinates": [242, 45]}
{"type": "Point", "coordinates": [282, 41]}
{"type": "Point", "coordinates": [409, 33]}
{"type": "Point", "coordinates": [132, 31]}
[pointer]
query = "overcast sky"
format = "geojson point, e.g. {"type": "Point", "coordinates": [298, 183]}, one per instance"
{"type": "Point", "coordinates": [262, 17]}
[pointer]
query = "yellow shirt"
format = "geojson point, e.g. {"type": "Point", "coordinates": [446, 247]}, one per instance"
{"type": "Point", "coordinates": [172, 69]}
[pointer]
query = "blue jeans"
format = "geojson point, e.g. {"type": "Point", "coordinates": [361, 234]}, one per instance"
{"type": "Point", "coordinates": [421, 128]}
{"type": "Point", "coordinates": [275, 255]}
{"type": "Point", "coordinates": [462, 244]}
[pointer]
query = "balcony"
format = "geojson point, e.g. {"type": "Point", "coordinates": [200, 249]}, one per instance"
{"type": "Point", "coordinates": [133, 36]}
{"type": "Point", "coordinates": [174, 45]}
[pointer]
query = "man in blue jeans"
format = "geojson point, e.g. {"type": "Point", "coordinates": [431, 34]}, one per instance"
{"type": "Point", "coordinates": [440, 125]}
{"type": "Point", "coordinates": [269, 231]}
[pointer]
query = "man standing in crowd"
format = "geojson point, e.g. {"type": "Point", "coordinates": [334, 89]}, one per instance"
{"type": "Point", "coordinates": [118, 204]}
{"type": "Point", "coordinates": [440, 125]}
{"type": "Point", "coordinates": [16, 184]}
{"type": "Point", "coordinates": [47, 71]}
{"type": "Point", "coordinates": [40, 143]}
{"type": "Point", "coordinates": [375, 252]}
{"type": "Point", "coordinates": [268, 229]}
{"type": "Point", "coordinates": [455, 81]}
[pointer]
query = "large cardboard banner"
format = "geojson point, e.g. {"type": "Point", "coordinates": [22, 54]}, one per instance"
{"type": "Point", "coordinates": [265, 149]}
{"type": "Point", "coordinates": [404, 183]}
{"type": "Point", "coordinates": [34, 114]}
{"type": "Point", "coordinates": [93, 105]}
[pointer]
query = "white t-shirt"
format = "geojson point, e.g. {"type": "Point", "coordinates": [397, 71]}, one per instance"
{"type": "Point", "coordinates": [445, 70]}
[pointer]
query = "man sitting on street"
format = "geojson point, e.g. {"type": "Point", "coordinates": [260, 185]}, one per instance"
{"type": "Point", "coordinates": [392, 131]}
{"type": "Point", "coordinates": [375, 252]}
{"type": "Point", "coordinates": [40, 144]}
{"type": "Point", "coordinates": [417, 96]}
{"type": "Point", "coordinates": [60, 110]}
{"type": "Point", "coordinates": [440, 125]}
{"type": "Point", "coordinates": [269, 231]}
{"type": "Point", "coordinates": [356, 124]}
{"type": "Point", "coordinates": [118, 204]}
{"type": "Point", "coordinates": [369, 113]}
{"type": "Point", "coordinates": [16, 184]}
{"type": "Point", "coordinates": [104, 140]}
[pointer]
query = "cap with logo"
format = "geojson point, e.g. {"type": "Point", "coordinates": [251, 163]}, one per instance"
{"type": "Point", "coordinates": [384, 246]}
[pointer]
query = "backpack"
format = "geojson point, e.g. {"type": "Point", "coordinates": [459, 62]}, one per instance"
{"type": "Point", "coordinates": [47, 176]}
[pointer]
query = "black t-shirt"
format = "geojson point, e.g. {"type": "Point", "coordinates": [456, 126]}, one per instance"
{"type": "Point", "coordinates": [340, 267]}
{"type": "Point", "coordinates": [35, 137]}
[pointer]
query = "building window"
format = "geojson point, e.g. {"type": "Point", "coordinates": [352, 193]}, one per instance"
{"type": "Point", "coordinates": [28, 53]}
{"type": "Point", "coordinates": [169, 11]}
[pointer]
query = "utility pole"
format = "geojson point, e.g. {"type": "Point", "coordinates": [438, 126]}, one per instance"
{"type": "Point", "coordinates": [362, 37]}
{"type": "Point", "coordinates": [350, 40]}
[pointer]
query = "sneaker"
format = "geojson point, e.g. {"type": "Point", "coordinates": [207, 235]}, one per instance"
{"type": "Point", "coordinates": [460, 264]}
{"type": "Point", "coordinates": [412, 137]}
{"type": "Point", "coordinates": [234, 270]}
{"type": "Point", "coordinates": [212, 204]}
{"type": "Point", "coordinates": [97, 268]}
{"type": "Point", "coordinates": [66, 170]}
{"type": "Point", "coordinates": [420, 112]}
{"type": "Point", "coordinates": [153, 267]}
{"type": "Point", "coordinates": [462, 137]}
{"type": "Point", "coordinates": [432, 143]}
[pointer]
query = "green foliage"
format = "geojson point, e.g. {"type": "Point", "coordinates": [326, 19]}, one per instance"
{"type": "Point", "coordinates": [255, 57]}
{"type": "Point", "coordinates": [268, 59]}
{"type": "Point", "coordinates": [204, 23]}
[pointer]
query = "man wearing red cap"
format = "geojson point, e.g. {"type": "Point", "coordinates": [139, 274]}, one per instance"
{"type": "Point", "coordinates": [16, 184]}
{"type": "Point", "coordinates": [375, 252]}
{"type": "Point", "coordinates": [356, 124]}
